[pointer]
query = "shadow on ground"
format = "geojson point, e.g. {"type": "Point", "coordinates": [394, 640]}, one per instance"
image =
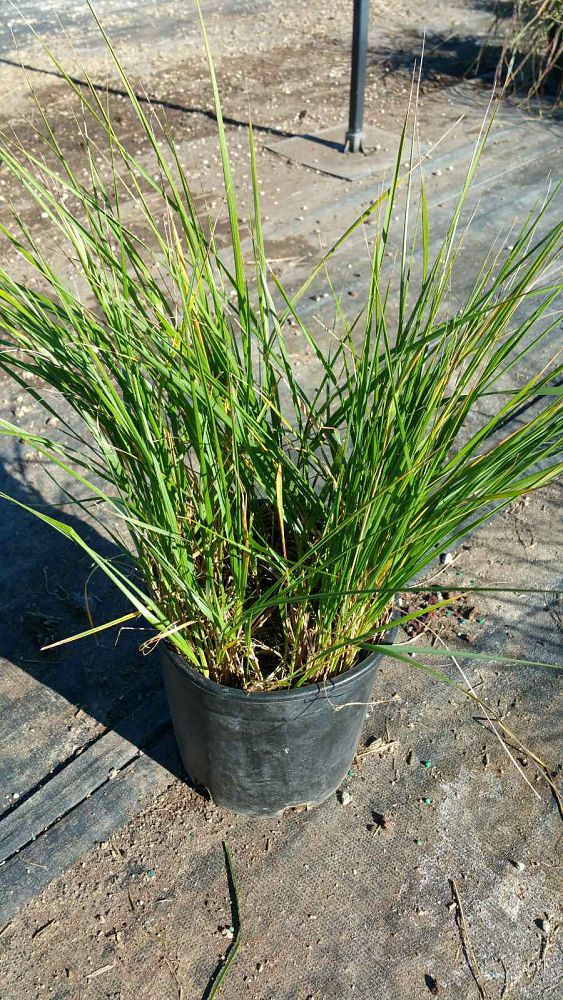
{"type": "Point", "coordinates": [42, 579]}
{"type": "Point", "coordinates": [184, 109]}
{"type": "Point", "coordinates": [453, 57]}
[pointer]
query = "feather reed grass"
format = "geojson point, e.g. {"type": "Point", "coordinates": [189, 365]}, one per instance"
{"type": "Point", "coordinates": [269, 527]}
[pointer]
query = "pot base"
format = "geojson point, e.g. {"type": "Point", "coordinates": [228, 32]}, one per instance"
{"type": "Point", "coordinates": [262, 753]}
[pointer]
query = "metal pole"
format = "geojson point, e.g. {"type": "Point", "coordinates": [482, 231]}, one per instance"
{"type": "Point", "coordinates": [355, 134]}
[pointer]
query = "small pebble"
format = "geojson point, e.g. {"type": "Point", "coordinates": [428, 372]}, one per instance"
{"type": "Point", "coordinates": [344, 798]}
{"type": "Point", "coordinates": [519, 865]}
{"type": "Point", "coordinates": [545, 926]}
{"type": "Point", "coordinates": [446, 558]}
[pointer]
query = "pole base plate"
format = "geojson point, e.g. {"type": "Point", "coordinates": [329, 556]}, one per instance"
{"type": "Point", "coordinates": [327, 152]}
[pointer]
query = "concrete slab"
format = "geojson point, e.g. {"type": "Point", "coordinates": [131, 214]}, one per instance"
{"type": "Point", "coordinates": [324, 151]}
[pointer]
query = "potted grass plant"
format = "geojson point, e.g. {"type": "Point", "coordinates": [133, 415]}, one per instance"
{"type": "Point", "coordinates": [267, 528]}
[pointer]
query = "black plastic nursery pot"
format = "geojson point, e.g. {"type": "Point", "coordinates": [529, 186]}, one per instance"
{"type": "Point", "coordinates": [259, 753]}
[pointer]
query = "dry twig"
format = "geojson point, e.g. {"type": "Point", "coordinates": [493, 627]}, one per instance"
{"type": "Point", "coordinates": [466, 945]}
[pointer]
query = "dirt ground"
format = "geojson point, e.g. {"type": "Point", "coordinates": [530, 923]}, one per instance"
{"type": "Point", "coordinates": [441, 876]}
{"type": "Point", "coordinates": [442, 870]}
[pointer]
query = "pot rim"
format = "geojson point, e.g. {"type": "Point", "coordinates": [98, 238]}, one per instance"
{"type": "Point", "coordinates": [306, 690]}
